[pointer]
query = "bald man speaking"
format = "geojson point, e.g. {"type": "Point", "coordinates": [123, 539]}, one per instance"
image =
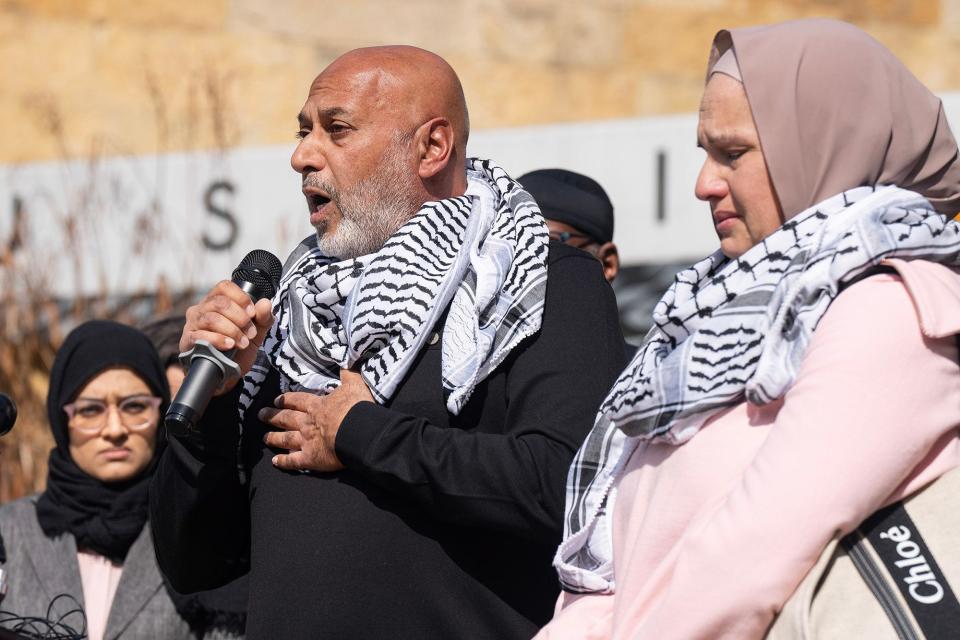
{"type": "Point", "coordinates": [414, 393]}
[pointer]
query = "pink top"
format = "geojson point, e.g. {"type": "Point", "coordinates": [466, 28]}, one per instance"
{"type": "Point", "coordinates": [99, 578]}
{"type": "Point", "coordinates": [712, 537]}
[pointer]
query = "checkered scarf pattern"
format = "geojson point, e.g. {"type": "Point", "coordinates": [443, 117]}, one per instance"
{"type": "Point", "coordinates": [730, 330]}
{"type": "Point", "coordinates": [482, 254]}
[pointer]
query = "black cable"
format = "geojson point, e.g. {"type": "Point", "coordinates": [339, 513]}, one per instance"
{"type": "Point", "coordinates": [37, 628]}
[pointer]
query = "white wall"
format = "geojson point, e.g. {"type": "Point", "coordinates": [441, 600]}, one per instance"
{"type": "Point", "coordinates": [133, 220]}
{"type": "Point", "coordinates": [622, 155]}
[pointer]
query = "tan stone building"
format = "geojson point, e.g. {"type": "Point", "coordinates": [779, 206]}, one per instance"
{"type": "Point", "coordinates": [109, 77]}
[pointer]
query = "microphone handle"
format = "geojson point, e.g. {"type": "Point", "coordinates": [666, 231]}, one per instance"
{"type": "Point", "coordinates": [201, 382]}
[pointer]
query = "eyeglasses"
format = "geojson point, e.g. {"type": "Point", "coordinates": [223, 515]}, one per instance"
{"type": "Point", "coordinates": [566, 236]}
{"type": "Point", "coordinates": [89, 416]}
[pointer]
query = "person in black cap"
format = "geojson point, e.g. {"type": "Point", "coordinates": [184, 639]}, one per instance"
{"type": "Point", "coordinates": [578, 213]}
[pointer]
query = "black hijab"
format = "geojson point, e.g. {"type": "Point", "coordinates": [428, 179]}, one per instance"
{"type": "Point", "coordinates": [104, 517]}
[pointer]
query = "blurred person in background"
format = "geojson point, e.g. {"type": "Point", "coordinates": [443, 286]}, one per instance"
{"type": "Point", "coordinates": [85, 537]}
{"type": "Point", "coordinates": [807, 388]}
{"type": "Point", "coordinates": [578, 213]}
{"type": "Point", "coordinates": [164, 333]}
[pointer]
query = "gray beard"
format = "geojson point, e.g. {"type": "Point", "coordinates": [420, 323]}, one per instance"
{"type": "Point", "coordinates": [372, 210]}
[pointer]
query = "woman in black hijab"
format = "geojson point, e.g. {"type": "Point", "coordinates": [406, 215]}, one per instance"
{"type": "Point", "coordinates": [83, 546]}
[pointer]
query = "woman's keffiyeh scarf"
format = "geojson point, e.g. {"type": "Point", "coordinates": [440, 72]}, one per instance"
{"type": "Point", "coordinates": [729, 330]}
{"type": "Point", "coordinates": [483, 254]}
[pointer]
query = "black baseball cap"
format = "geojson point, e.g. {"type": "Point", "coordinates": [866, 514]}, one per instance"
{"type": "Point", "coordinates": [572, 198]}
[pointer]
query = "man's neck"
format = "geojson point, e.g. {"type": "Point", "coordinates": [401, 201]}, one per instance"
{"type": "Point", "coordinates": [448, 184]}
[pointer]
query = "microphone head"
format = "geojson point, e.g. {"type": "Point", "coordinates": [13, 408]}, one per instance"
{"type": "Point", "coordinates": [8, 414]}
{"type": "Point", "coordinates": [262, 270]}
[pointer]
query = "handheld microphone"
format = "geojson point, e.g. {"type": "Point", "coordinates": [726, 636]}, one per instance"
{"type": "Point", "coordinates": [258, 275]}
{"type": "Point", "coordinates": [8, 414]}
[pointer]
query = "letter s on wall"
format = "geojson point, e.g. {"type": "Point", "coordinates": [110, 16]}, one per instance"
{"type": "Point", "coordinates": [222, 213]}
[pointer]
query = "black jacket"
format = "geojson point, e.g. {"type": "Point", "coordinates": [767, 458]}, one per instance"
{"type": "Point", "coordinates": [440, 526]}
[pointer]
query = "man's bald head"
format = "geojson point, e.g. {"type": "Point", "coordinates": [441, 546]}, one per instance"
{"type": "Point", "coordinates": [419, 82]}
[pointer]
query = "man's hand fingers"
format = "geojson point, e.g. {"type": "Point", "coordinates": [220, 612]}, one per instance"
{"type": "Point", "coordinates": [263, 317]}
{"type": "Point", "coordinates": [232, 291]}
{"type": "Point", "coordinates": [226, 311]}
{"type": "Point", "coordinates": [289, 461]}
{"type": "Point", "coordinates": [297, 400]}
{"type": "Point", "coordinates": [213, 322]}
{"type": "Point", "coordinates": [237, 312]}
{"type": "Point", "coordinates": [289, 440]}
{"type": "Point", "coordinates": [226, 319]}
{"type": "Point", "coordinates": [219, 341]}
{"type": "Point", "coordinates": [286, 419]}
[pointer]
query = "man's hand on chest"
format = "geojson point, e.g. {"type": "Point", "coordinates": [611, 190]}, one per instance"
{"type": "Point", "coordinates": [309, 424]}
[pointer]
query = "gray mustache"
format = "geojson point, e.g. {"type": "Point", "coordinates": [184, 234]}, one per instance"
{"type": "Point", "coordinates": [316, 182]}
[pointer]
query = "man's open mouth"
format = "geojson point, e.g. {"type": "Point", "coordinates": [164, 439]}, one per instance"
{"type": "Point", "coordinates": [316, 201]}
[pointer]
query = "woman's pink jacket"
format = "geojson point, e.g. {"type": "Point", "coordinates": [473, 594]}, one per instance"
{"type": "Point", "coordinates": [712, 537]}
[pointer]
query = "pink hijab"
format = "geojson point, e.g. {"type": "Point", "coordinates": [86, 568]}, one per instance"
{"type": "Point", "coordinates": [835, 110]}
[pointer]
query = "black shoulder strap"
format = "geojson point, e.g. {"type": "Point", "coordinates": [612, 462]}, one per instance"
{"type": "Point", "coordinates": [907, 562]}
{"type": "Point", "coordinates": [872, 271]}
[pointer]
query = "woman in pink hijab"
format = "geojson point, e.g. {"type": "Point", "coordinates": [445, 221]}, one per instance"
{"type": "Point", "coordinates": [797, 380]}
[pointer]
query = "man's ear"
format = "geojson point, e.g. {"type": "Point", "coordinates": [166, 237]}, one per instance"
{"type": "Point", "coordinates": [435, 146]}
{"type": "Point", "coordinates": [610, 259]}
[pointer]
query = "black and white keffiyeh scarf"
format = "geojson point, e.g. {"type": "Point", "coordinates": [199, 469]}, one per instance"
{"type": "Point", "coordinates": [733, 330]}
{"type": "Point", "coordinates": [483, 254]}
